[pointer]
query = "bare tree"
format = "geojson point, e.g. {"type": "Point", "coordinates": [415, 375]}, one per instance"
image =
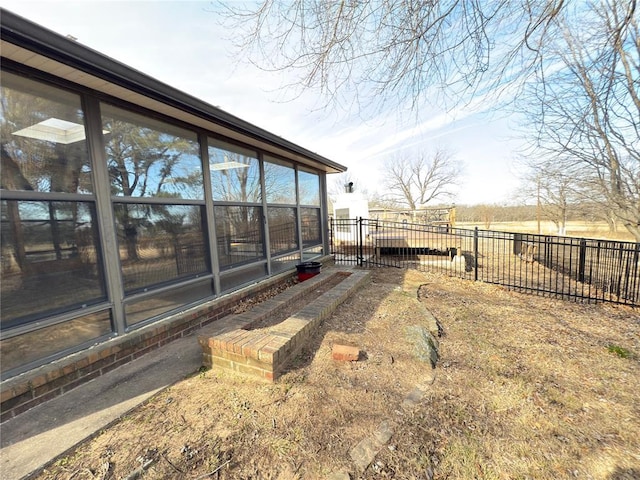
{"type": "Point", "coordinates": [416, 181]}
{"type": "Point", "coordinates": [555, 196]}
{"type": "Point", "coordinates": [383, 201]}
{"type": "Point", "coordinates": [394, 50]}
{"type": "Point", "coordinates": [552, 190]}
{"type": "Point", "coordinates": [487, 214]}
{"type": "Point", "coordinates": [588, 104]}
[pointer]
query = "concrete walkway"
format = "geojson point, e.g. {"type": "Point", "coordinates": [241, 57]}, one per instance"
{"type": "Point", "coordinates": [34, 438]}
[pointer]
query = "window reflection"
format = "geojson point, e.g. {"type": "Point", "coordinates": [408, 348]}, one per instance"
{"type": "Point", "coordinates": [50, 259]}
{"type": "Point", "coordinates": [281, 264]}
{"type": "Point", "coordinates": [44, 342]}
{"type": "Point", "coordinates": [43, 145]}
{"type": "Point", "coordinates": [147, 308]}
{"type": "Point", "coordinates": [309, 188]}
{"type": "Point", "coordinates": [236, 278]}
{"type": "Point", "coordinates": [235, 173]}
{"type": "Point", "coordinates": [239, 233]}
{"type": "Point", "coordinates": [279, 181]}
{"type": "Point", "coordinates": [160, 243]}
{"type": "Point", "coordinates": [310, 220]}
{"type": "Point", "coordinates": [283, 232]}
{"type": "Point", "coordinates": [149, 158]}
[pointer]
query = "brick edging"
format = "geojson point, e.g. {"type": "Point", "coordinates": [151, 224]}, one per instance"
{"type": "Point", "coordinates": [264, 353]}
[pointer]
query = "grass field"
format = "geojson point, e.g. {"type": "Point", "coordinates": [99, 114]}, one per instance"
{"type": "Point", "coordinates": [574, 229]}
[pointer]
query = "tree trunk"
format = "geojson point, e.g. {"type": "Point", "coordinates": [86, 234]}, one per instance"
{"type": "Point", "coordinates": [18, 234]}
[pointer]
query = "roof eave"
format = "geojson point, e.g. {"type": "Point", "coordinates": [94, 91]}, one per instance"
{"type": "Point", "coordinates": [24, 33]}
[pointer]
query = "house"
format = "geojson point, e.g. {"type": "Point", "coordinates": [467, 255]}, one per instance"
{"type": "Point", "coordinates": [131, 212]}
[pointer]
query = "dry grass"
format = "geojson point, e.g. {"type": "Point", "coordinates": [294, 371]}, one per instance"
{"type": "Point", "coordinates": [575, 228]}
{"type": "Point", "coordinates": [526, 387]}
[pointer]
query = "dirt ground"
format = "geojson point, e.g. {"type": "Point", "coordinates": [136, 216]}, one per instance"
{"type": "Point", "coordinates": [526, 388]}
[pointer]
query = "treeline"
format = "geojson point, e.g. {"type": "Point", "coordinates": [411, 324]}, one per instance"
{"type": "Point", "coordinates": [488, 213]}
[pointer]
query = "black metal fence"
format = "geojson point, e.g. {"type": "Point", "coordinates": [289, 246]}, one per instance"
{"type": "Point", "coordinates": [579, 269]}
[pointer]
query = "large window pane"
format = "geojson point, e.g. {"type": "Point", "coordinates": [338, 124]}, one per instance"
{"type": "Point", "coordinates": [33, 346]}
{"type": "Point", "coordinates": [160, 243]}
{"type": "Point", "coordinates": [232, 279]}
{"type": "Point", "coordinates": [42, 138]}
{"type": "Point", "coordinates": [50, 259]}
{"type": "Point", "coordinates": [311, 233]}
{"type": "Point", "coordinates": [283, 232]}
{"type": "Point", "coordinates": [235, 173]}
{"type": "Point", "coordinates": [309, 187]}
{"type": "Point", "coordinates": [312, 253]}
{"type": "Point", "coordinates": [149, 158]}
{"type": "Point", "coordinates": [239, 233]}
{"type": "Point", "coordinates": [157, 305]}
{"type": "Point", "coordinates": [287, 262]}
{"type": "Point", "coordinates": [279, 181]}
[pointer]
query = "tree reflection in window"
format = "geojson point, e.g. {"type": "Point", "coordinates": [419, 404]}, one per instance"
{"type": "Point", "coordinates": [308, 188]}
{"type": "Point", "coordinates": [51, 261]}
{"type": "Point", "coordinates": [235, 173]}
{"type": "Point", "coordinates": [148, 158]}
{"type": "Point", "coordinates": [42, 138]}
{"type": "Point", "coordinates": [280, 181]}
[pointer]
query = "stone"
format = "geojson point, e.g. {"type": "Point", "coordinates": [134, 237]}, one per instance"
{"type": "Point", "coordinates": [364, 452]}
{"type": "Point", "coordinates": [384, 432]}
{"type": "Point", "coordinates": [426, 344]}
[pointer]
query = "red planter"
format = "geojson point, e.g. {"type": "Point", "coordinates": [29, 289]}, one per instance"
{"type": "Point", "coordinates": [306, 270]}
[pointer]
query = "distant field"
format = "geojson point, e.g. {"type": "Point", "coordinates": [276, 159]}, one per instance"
{"type": "Point", "coordinates": [574, 229]}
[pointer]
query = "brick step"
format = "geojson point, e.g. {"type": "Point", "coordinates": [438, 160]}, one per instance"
{"type": "Point", "coordinates": [230, 344]}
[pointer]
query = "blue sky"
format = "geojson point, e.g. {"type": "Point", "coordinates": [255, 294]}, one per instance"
{"type": "Point", "coordinates": [181, 43]}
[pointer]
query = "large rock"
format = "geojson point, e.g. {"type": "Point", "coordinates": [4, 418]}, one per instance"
{"type": "Point", "coordinates": [426, 344]}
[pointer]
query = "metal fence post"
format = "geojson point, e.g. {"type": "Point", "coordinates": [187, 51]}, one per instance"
{"type": "Point", "coordinates": [635, 266]}
{"type": "Point", "coordinates": [475, 254]}
{"type": "Point", "coordinates": [331, 226]}
{"type": "Point", "coordinates": [360, 249]}
{"type": "Point", "coordinates": [582, 259]}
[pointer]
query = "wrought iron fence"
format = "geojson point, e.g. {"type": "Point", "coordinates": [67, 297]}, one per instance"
{"type": "Point", "coordinates": [579, 269]}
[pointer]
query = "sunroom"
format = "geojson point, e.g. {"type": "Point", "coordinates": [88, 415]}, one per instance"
{"type": "Point", "coordinates": [125, 201]}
